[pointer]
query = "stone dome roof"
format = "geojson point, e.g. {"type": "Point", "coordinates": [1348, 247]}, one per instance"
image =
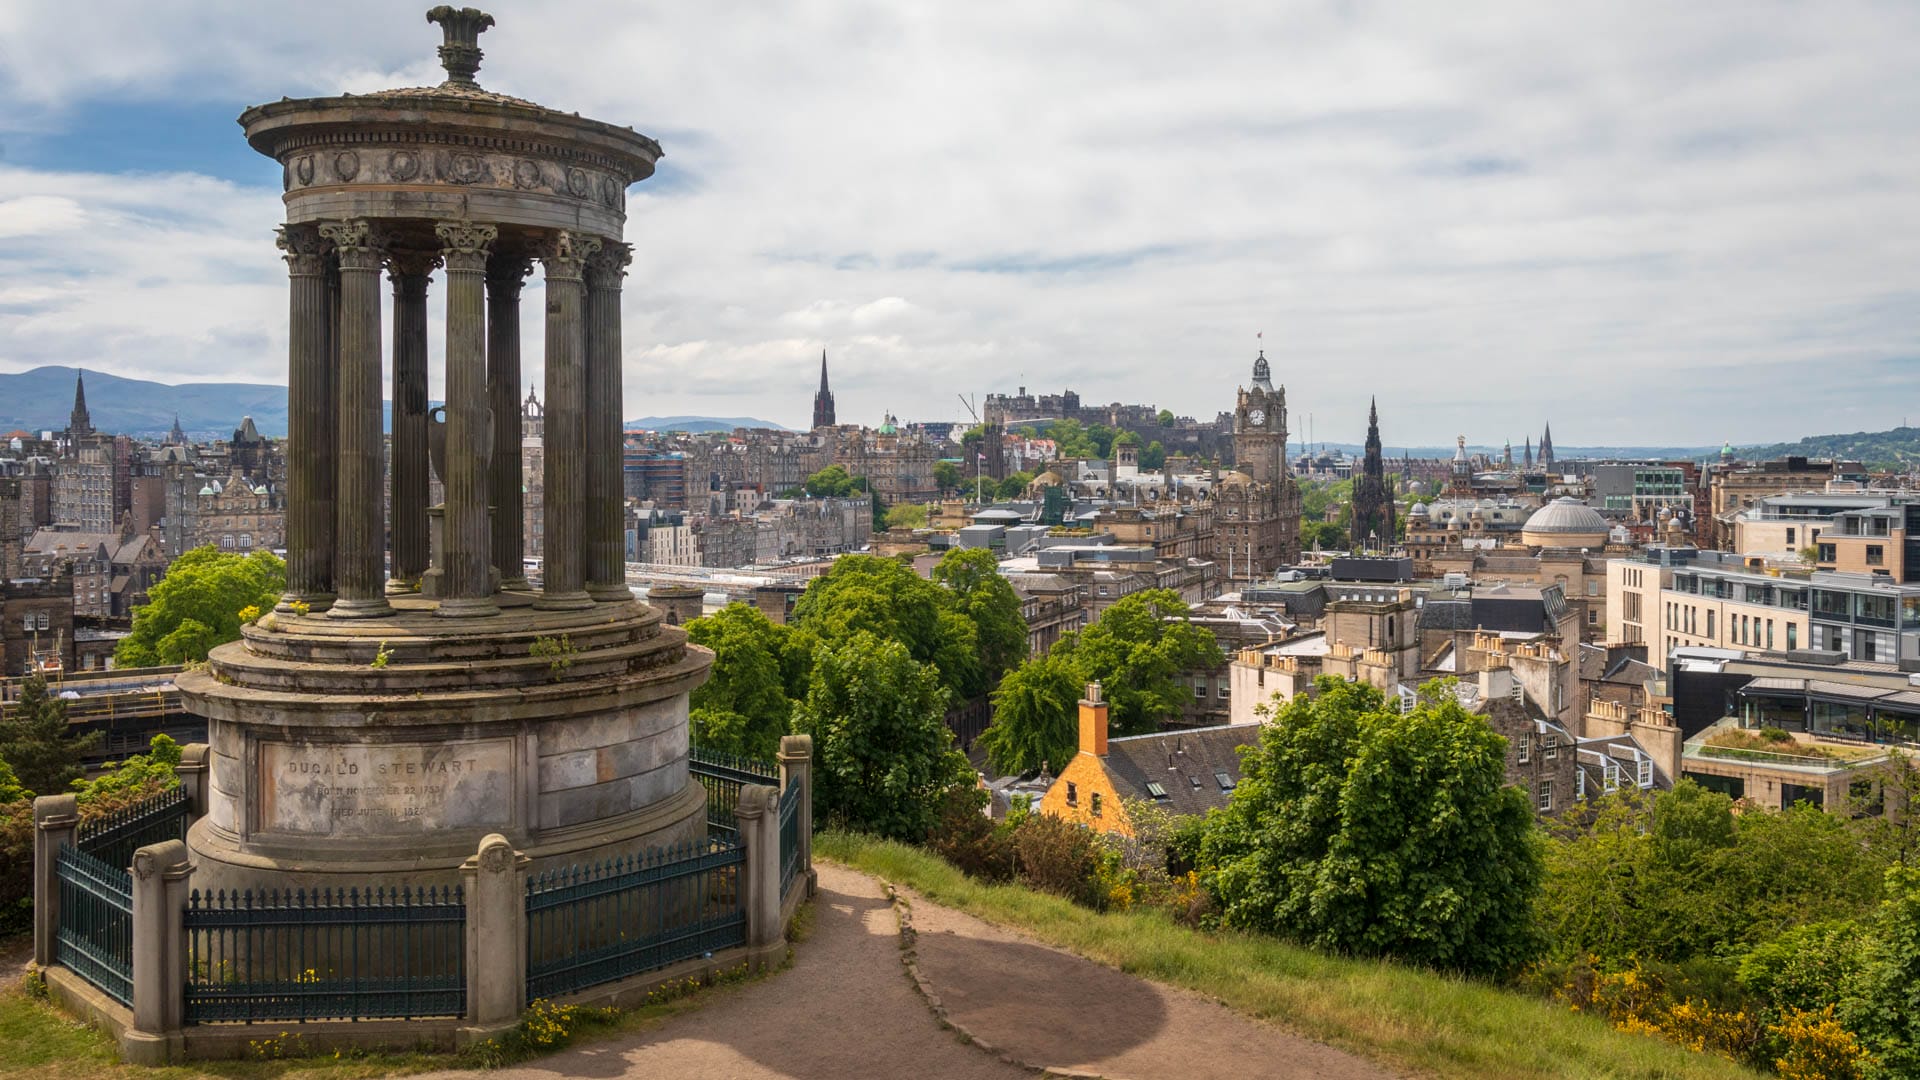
{"type": "Point", "coordinates": [1565, 522]}
{"type": "Point", "coordinates": [1418, 510]}
{"type": "Point", "coordinates": [1566, 514]}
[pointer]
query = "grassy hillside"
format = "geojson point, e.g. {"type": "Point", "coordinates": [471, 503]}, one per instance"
{"type": "Point", "coordinates": [1896, 449]}
{"type": "Point", "coordinates": [1414, 1020]}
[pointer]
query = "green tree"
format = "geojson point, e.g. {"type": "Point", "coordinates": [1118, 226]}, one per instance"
{"type": "Point", "coordinates": [883, 756]}
{"type": "Point", "coordinates": [198, 604]}
{"type": "Point", "coordinates": [946, 476]}
{"type": "Point", "coordinates": [1154, 456]}
{"type": "Point", "coordinates": [1319, 498]}
{"type": "Point", "coordinates": [1126, 438]}
{"type": "Point", "coordinates": [1327, 535]}
{"type": "Point", "coordinates": [11, 789]}
{"type": "Point", "coordinates": [1886, 1012]}
{"type": "Point", "coordinates": [1070, 439]}
{"type": "Point", "coordinates": [1015, 485]}
{"type": "Point", "coordinates": [1167, 419]}
{"type": "Point", "coordinates": [1035, 717]}
{"type": "Point", "coordinates": [984, 596]}
{"type": "Point", "coordinates": [1139, 650]}
{"type": "Point", "coordinates": [887, 599]}
{"type": "Point", "coordinates": [907, 516]}
{"type": "Point", "coordinates": [135, 778]}
{"type": "Point", "coordinates": [37, 743]}
{"type": "Point", "coordinates": [759, 667]}
{"type": "Point", "coordinates": [834, 482]}
{"type": "Point", "coordinates": [1358, 828]}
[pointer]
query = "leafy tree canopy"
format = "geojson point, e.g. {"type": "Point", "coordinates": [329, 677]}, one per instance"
{"type": "Point", "coordinates": [1015, 485]}
{"type": "Point", "coordinates": [1361, 829]}
{"type": "Point", "coordinates": [946, 476]}
{"type": "Point", "coordinates": [984, 596]}
{"type": "Point", "coordinates": [1154, 456]}
{"type": "Point", "coordinates": [135, 778]}
{"type": "Point", "coordinates": [1138, 650]}
{"type": "Point", "coordinates": [907, 516]}
{"type": "Point", "coordinates": [198, 605]}
{"type": "Point", "coordinates": [759, 668]}
{"type": "Point", "coordinates": [1035, 717]}
{"type": "Point", "coordinates": [883, 756]}
{"type": "Point", "coordinates": [1326, 534]}
{"type": "Point", "coordinates": [834, 482]}
{"type": "Point", "coordinates": [1167, 419]}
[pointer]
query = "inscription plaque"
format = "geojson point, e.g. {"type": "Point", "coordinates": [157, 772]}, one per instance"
{"type": "Point", "coordinates": [326, 789]}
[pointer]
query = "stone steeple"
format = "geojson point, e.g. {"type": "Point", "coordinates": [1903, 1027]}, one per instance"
{"type": "Point", "coordinates": [176, 437]}
{"type": "Point", "coordinates": [1528, 460]}
{"type": "Point", "coordinates": [1546, 447]}
{"type": "Point", "coordinates": [1373, 524]}
{"type": "Point", "coordinates": [823, 398]}
{"type": "Point", "coordinates": [79, 423]}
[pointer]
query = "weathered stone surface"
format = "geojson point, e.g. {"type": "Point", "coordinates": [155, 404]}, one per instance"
{"type": "Point", "coordinates": [346, 789]}
{"type": "Point", "coordinates": [589, 732]}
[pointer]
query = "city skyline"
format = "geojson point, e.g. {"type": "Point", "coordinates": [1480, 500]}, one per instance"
{"type": "Point", "coordinates": [1471, 221]}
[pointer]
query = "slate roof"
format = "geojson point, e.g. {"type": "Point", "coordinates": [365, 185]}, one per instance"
{"type": "Point", "coordinates": [1184, 764]}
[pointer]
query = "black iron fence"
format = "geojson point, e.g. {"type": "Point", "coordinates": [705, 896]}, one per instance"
{"type": "Point", "coordinates": [326, 954]}
{"type": "Point", "coordinates": [94, 939]}
{"type": "Point", "coordinates": [114, 837]}
{"type": "Point", "coordinates": [723, 775]}
{"type": "Point", "coordinates": [602, 922]}
{"type": "Point", "coordinates": [789, 835]}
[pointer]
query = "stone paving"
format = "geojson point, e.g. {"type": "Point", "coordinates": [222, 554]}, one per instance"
{"type": "Point", "coordinates": [846, 1008]}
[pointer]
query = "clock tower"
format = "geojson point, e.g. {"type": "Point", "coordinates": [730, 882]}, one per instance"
{"type": "Point", "coordinates": [1257, 507]}
{"type": "Point", "coordinates": [1260, 427]}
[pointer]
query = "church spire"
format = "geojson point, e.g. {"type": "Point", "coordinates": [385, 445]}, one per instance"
{"type": "Point", "coordinates": [823, 415]}
{"type": "Point", "coordinates": [176, 436]}
{"type": "Point", "coordinates": [79, 423]}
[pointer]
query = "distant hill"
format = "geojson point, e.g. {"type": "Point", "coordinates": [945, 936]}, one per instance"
{"type": "Point", "coordinates": [41, 399]}
{"type": "Point", "coordinates": [1896, 449]}
{"type": "Point", "coordinates": [700, 424]}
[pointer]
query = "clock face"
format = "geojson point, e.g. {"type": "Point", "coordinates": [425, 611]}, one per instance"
{"type": "Point", "coordinates": [1257, 417]}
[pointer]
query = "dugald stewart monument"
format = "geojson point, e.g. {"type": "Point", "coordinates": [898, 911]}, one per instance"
{"type": "Point", "coordinates": [394, 710]}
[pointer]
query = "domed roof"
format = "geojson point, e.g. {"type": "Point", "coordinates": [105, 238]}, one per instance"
{"type": "Point", "coordinates": [1419, 510]}
{"type": "Point", "coordinates": [1236, 479]}
{"type": "Point", "coordinates": [1566, 515]}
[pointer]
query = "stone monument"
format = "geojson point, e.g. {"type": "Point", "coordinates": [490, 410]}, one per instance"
{"type": "Point", "coordinates": [412, 693]}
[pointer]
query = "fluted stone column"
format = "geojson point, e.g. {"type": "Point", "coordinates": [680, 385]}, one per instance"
{"type": "Point", "coordinates": [469, 535]}
{"type": "Point", "coordinates": [606, 564]}
{"type": "Point", "coordinates": [309, 420]}
{"type": "Point", "coordinates": [360, 525]}
{"type": "Point", "coordinates": [505, 275]}
{"type": "Point", "coordinates": [564, 442]}
{"type": "Point", "coordinates": [408, 515]}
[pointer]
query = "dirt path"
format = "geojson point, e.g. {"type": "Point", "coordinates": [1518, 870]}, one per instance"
{"type": "Point", "coordinates": [847, 1009]}
{"type": "Point", "coordinates": [1050, 1009]}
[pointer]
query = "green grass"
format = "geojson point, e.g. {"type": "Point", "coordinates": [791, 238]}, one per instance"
{"type": "Point", "coordinates": [1406, 1018]}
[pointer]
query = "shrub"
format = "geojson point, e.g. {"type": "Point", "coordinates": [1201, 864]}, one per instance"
{"type": "Point", "coordinates": [1059, 857]}
{"type": "Point", "coordinates": [966, 837]}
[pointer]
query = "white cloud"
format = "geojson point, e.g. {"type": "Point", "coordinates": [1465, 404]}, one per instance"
{"type": "Point", "coordinates": [1644, 221]}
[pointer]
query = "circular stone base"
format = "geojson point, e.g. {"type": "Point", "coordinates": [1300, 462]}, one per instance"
{"type": "Point", "coordinates": [220, 862]}
{"type": "Point", "coordinates": [357, 753]}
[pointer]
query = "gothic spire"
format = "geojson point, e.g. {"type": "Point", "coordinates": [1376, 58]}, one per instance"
{"type": "Point", "coordinates": [79, 423]}
{"type": "Point", "coordinates": [823, 413]}
{"type": "Point", "coordinates": [176, 436]}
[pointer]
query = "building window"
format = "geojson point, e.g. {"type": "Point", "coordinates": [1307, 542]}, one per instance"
{"type": "Point", "coordinates": [1643, 772]}
{"type": "Point", "coordinates": [1549, 746]}
{"type": "Point", "coordinates": [1154, 789]}
{"type": "Point", "coordinates": [1789, 537]}
{"type": "Point", "coordinates": [1546, 796]}
{"type": "Point", "coordinates": [1220, 777]}
{"type": "Point", "coordinates": [1523, 751]}
{"type": "Point", "coordinates": [1876, 555]}
{"type": "Point", "coordinates": [1200, 689]}
{"type": "Point", "coordinates": [1793, 636]}
{"type": "Point", "coordinates": [1096, 804]}
{"type": "Point", "coordinates": [1221, 691]}
{"type": "Point", "coordinates": [1710, 614]}
{"type": "Point", "coordinates": [1073, 794]}
{"type": "Point", "coordinates": [1593, 616]}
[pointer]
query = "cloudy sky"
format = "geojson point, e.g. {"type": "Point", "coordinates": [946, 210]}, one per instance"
{"type": "Point", "coordinates": [1652, 223]}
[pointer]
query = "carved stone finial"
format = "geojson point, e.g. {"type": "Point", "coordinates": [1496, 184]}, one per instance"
{"type": "Point", "coordinates": [461, 54]}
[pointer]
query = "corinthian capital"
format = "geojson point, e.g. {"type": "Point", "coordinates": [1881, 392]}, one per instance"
{"type": "Point", "coordinates": [606, 267]}
{"type": "Point", "coordinates": [565, 255]}
{"type": "Point", "coordinates": [306, 252]}
{"type": "Point", "coordinates": [464, 244]}
{"type": "Point", "coordinates": [359, 248]}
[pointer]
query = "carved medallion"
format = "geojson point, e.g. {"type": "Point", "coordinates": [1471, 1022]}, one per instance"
{"type": "Point", "coordinates": [610, 192]}
{"type": "Point", "coordinates": [577, 183]}
{"type": "Point", "coordinates": [346, 165]}
{"type": "Point", "coordinates": [467, 169]}
{"type": "Point", "coordinates": [403, 164]}
{"type": "Point", "coordinates": [526, 174]}
{"type": "Point", "coordinates": [303, 168]}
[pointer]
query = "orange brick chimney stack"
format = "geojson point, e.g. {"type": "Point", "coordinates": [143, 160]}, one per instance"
{"type": "Point", "coordinates": [1093, 722]}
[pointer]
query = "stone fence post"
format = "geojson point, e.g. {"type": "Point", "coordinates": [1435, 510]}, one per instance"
{"type": "Point", "coordinates": [192, 772]}
{"type": "Point", "coordinates": [494, 883]}
{"type": "Point", "coordinates": [161, 873]}
{"type": "Point", "coordinates": [758, 815]}
{"type": "Point", "coordinates": [796, 761]}
{"type": "Point", "coordinates": [55, 817]}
